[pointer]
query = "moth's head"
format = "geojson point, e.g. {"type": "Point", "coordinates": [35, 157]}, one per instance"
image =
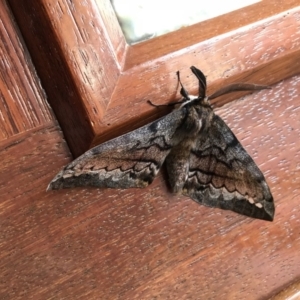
{"type": "Point", "coordinates": [202, 99]}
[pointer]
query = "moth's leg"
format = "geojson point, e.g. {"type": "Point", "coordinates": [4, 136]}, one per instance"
{"type": "Point", "coordinates": [177, 163]}
{"type": "Point", "coordinates": [183, 91]}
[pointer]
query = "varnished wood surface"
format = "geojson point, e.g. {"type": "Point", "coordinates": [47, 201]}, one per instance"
{"type": "Point", "coordinates": [145, 244]}
{"type": "Point", "coordinates": [142, 244]}
{"type": "Point", "coordinates": [98, 86]}
{"type": "Point", "coordinates": [22, 101]}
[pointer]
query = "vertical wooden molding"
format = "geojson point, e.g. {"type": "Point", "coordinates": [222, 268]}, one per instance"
{"type": "Point", "coordinates": [76, 58]}
{"type": "Point", "coordinates": [23, 104]}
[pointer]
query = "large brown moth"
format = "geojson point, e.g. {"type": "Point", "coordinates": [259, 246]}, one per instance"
{"type": "Point", "coordinates": [204, 159]}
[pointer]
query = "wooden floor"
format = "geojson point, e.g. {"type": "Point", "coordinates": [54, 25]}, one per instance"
{"type": "Point", "coordinates": [89, 243]}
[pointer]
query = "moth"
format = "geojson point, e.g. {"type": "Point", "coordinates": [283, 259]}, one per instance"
{"type": "Point", "coordinates": [203, 158]}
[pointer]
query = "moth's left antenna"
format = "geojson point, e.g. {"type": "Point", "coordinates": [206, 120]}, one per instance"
{"type": "Point", "coordinates": [183, 91]}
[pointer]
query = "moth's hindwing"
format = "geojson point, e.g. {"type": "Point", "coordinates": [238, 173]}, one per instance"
{"type": "Point", "coordinates": [131, 160]}
{"type": "Point", "coordinates": [222, 174]}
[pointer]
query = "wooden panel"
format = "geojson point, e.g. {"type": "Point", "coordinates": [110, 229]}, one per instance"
{"type": "Point", "coordinates": [237, 21]}
{"type": "Point", "coordinates": [139, 244]}
{"type": "Point", "coordinates": [22, 100]}
{"type": "Point", "coordinates": [146, 244]}
{"type": "Point", "coordinates": [78, 64]}
{"type": "Point", "coordinates": [79, 52]}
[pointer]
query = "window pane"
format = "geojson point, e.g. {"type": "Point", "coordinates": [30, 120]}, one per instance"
{"type": "Point", "coordinates": [144, 19]}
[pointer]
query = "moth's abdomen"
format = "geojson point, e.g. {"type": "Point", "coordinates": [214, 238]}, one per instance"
{"type": "Point", "coordinates": [177, 164]}
{"type": "Point", "coordinates": [177, 161]}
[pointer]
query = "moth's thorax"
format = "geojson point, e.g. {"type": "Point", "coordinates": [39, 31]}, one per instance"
{"type": "Point", "coordinates": [195, 100]}
{"type": "Point", "coordinates": [191, 99]}
{"type": "Point", "coordinates": [197, 117]}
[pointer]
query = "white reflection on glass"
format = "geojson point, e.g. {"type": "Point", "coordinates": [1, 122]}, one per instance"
{"type": "Point", "coordinates": [144, 19]}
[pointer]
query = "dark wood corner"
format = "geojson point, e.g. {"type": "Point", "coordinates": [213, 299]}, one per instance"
{"type": "Point", "coordinates": [98, 85]}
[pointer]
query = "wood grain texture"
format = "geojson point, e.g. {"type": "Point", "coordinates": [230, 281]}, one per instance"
{"type": "Point", "coordinates": [77, 63]}
{"type": "Point", "coordinates": [146, 244]}
{"type": "Point", "coordinates": [23, 104]}
{"type": "Point", "coordinates": [139, 244]}
{"type": "Point", "coordinates": [98, 85]}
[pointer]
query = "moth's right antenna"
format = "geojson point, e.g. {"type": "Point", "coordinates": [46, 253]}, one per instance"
{"type": "Point", "coordinates": [234, 87]}
{"type": "Point", "coordinates": [183, 91]}
{"type": "Point", "coordinates": [202, 81]}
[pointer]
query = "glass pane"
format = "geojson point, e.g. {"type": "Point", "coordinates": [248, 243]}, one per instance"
{"type": "Point", "coordinates": [145, 19]}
